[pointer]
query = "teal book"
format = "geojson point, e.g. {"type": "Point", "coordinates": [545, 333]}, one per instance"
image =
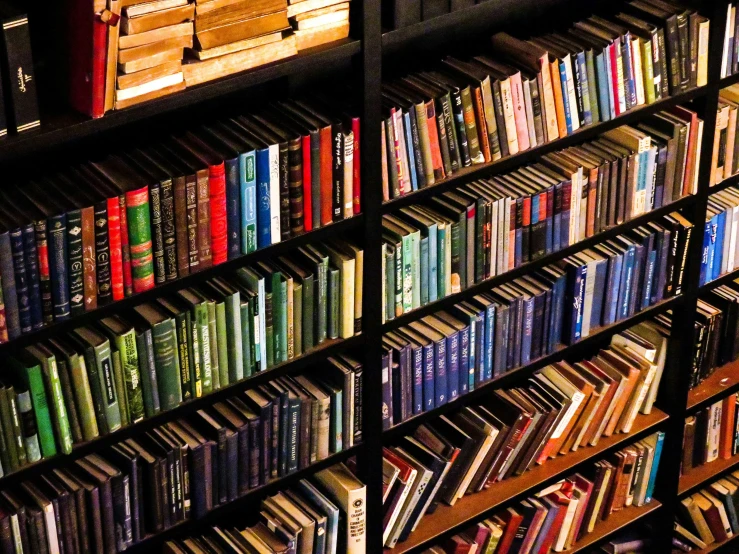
{"type": "Point", "coordinates": [248, 184]}
{"type": "Point", "coordinates": [28, 369]}
{"type": "Point", "coordinates": [276, 285]}
{"type": "Point", "coordinates": [247, 350]}
{"type": "Point", "coordinates": [166, 358]}
{"type": "Point", "coordinates": [234, 367]}
{"type": "Point", "coordinates": [175, 308]}
{"type": "Point", "coordinates": [441, 261]}
{"type": "Point", "coordinates": [424, 271]}
{"type": "Point", "coordinates": [317, 262]}
{"type": "Point", "coordinates": [334, 302]}
{"type": "Point", "coordinates": [336, 421]}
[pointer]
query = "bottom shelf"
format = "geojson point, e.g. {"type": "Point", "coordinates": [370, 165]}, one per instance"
{"type": "Point", "coordinates": [615, 523]}
{"type": "Point", "coordinates": [731, 543]}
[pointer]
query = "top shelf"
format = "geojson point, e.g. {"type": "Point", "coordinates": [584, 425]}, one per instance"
{"type": "Point", "coordinates": [61, 128]}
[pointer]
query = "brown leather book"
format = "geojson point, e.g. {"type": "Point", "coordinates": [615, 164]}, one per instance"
{"type": "Point", "coordinates": [238, 46]}
{"type": "Point", "coordinates": [158, 19]}
{"type": "Point", "coordinates": [88, 258]}
{"type": "Point", "coordinates": [632, 375]}
{"type": "Point", "coordinates": [239, 30]}
{"type": "Point", "coordinates": [141, 77]}
{"type": "Point", "coordinates": [688, 444]}
{"type": "Point", "coordinates": [585, 417]}
{"type": "Point", "coordinates": [614, 501]}
{"type": "Point", "coordinates": [153, 48]}
{"type": "Point", "coordinates": [607, 388]}
{"type": "Point", "coordinates": [208, 18]}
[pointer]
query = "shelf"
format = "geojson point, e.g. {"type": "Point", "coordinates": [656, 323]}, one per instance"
{"type": "Point", "coordinates": [269, 252]}
{"type": "Point", "coordinates": [726, 183]}
{"type": "Point", "coordinates": [517, 373]}
{"type": "Point", "coordinates": [57, 130]}
{"type": "Point", "coordinates": [615, 523]}
{"type": "Point", "coordinates": [715, 547]}
{"type": "Point", "coordinates": [448, 518]}
{"type": "Point", "coordinates": [527, 268]}
{"type": "Point", "coordinates": [705, 474]}
{"type": "Point", "coordinates": [721, 280]}
{"type": "Point", "coordinates": [728, 81]}
{"type": "Point", "coordinates": [153, 543]}
{"type": "Point", "coordinates": [719, 384]}
{"type": "Point", "coordinates": [511, 162]}
{"type": "Point", "coordinates": [324, 350]}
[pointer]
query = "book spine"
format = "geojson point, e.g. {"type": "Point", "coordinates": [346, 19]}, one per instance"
{"type": "Point", "coordinates": [102, 253]}
{"type": "Point", "coordinates": [295, 187]}
{"type": "Point", "coordinates": [42, 248]}
{"type": "Point", "coordinates": [89, 288]}
{"type": "Point", "coordinates": [125, 248]}
{"type": "Point", "coordinates": [307, 183]}
{"type": "Point", "coordinates": [116, 255]}
{"type": "Point", "coordinates": [182, 227]}
{"type": "Point", "coordinates": [32, 275]}
{"type": "Point", "coordinates": [146, 236]}
{"type": "Point", "coordinates": [23, 96]}
{"type": "Point", "coordinates": [233, 205]}
{"type": "Point", "coordinates": [167, 366]}
{"type": "Point", "coordinates": [356, 168]}
{"type": "Point", "coordinates": [337, 192]}
{"type": "Point", "coordinates": [191, 192]}
{"type": "Point", "coordinates": [282, 178]}
{"type": "Point", "coordinates": [264, 234]}
{"type": "Point", "coordinates": [29, 430]}
{"type": "Point", "coordinates": [248, 183]}
{"type": "Point", "coordinates": [169, 230]}
{"type": "Point", "coordinates": [131, 376]}
{"type": "Point", "coordinates": [205, 253]}
{"type": "Point", "coordinates": [58, 271]}
{"type": "Point", "coordinates": [218, 213]}
{"type": "Point", "coordinates": [75, 266]}
{"type": "Point", "coordinates": [21, 284]}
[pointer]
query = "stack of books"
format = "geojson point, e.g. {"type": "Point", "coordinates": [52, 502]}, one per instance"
{"type": "Point", "coordinates": [527, 93]}
{"type": "Point", "coordinates": [151, 44]}
{"type": "Point", "coordinates": [725, 160]}
{"type": "Point", "coordinates": [100, 378]}
{"type": "Point", "coordinates": [730, 50]}
{"type": "Point", "coordinates": [708, 516]}
{"type": "Point", "coordinates": [102, 231]}
{"type": "Point", "coordinates": [720, 234]}
{"type": "Point", "coordinates": [323, 515]}
{"type": "Point", "coordinates": [711, 434]}
{"type": "Point", "coordinates": [319, 21]}
{"type": "Point", "coordinates": [554, 518]}
{"type": "Point", "coordinates": [232, 36]}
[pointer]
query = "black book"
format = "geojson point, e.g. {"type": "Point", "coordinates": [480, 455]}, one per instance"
{"type": "Point", "coordinates": [18, 75]}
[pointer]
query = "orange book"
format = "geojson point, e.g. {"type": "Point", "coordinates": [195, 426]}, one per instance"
{"type": "Point", "coordinates": [481, 124]}
{"type": "Point", "coordinates": [728, 415]}
{"type": "Point", "coordinates": [631, 374]}
{"type": "Point", "coordinates": [607, 392]}
{"type": "Point", "coordinates": [436, 161]}
{"type": "Point", "coordinates": [327, 186]}
{"type": "Point", "coordinates": [592, 397]}
{"type": "Point", "coordinates": [558, 100]}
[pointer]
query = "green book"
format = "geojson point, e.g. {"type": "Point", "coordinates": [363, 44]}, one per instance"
{"type": "Point", "coordinates": [233, 371]}
{"type": "Point", "coordinates": [15, 420]}
{"type": "Point", "coordinates": [395, 246]}
{"type": "Point", "coordinates": [120, 389]}
{"type": "Point", "coordinates": [201, 335]}
{"type": "Point", "coordinates": [247, 352]}
{"type": "Point", "coordinates": [333, 301]}
{"type": "Point", "coordinates": [183, 324]}
{"type": "Point", "coordinates": [254, 284]}
{"type": "Point", "coordinates": [148, 372]}
{"type": "Point", "coordinates": [123, 336]}
{"type": "Point", "coordinates": [336, 422]}
{"type": "Point", "coordinates": [28, 423]}
{"type": "Point", "coordinates": [67, 394]}
{"type": "Point", "coordinates": [81, 389]}
{"type": "Point", "coordinates": [297, 319]}
{"type": "Point", "coordinates": [166, 359]}
{"type": "Point", "coordinates": [269, 330]}
{"type": "Point", "coordinates": [50, 373]}
{"type": "Point", "coordinates": [214, 357]}
{"type": "Point", "coordinates": [91, 368]}
{"type": "Point", "coordinates": [300, 285]}
{"type": "Point", "coordinates": [104, 365]}
{"type": "Point", "coordinates": [276, 285]}
{"type": "Point", "coordinates": [222, 338]}
{"type": "Point", "coordinates": [11, 451]}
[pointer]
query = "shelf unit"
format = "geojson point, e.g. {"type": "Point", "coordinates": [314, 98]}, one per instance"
{"type": "Point", "coordinates": [369, 53]}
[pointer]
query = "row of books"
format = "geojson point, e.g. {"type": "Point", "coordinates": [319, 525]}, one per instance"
{"type": "Point", "coordinates": [719, 255]}
{"type": "Point", "coordinates": [527, 93]}
{"type": "Point", "coordinates": [97, 379]}
{"type": "Point", "coordinates": [708, 516]}
{"type": "Point", "coordinates": [730, 50]}
{"type": "Point", "coordinates": [556, 517]}
{"type": "Point", "coordinates": [322, 515]}
{"type": "Point", "coordinates": [106, 230]}
{"type": "Point", "coordinates": [491, 226]}
{"type": "Point", "coordinates": [711, 434]}
{"type": "Point", "coordinates": [716, 321]}
{"type": "Point", "coordinates": [725, 159]}
{"type": "Point", "coordinates": [561, 408]}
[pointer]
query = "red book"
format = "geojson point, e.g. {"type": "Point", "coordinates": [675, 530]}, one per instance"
{"type": "Point", "coordinates": [614, 77]}
{"type": "Point", "coordinates": [560, 499]}
{"type": "Point", "coordinates": [356, 177]}
{"type": "Point", "coordinates": [457, 545]}
{"type": "Point", "coordinates": [688, 116]}
{"type": "Point", "coordinates": [218, 218]}
{"type": "Point", "coordinates": [116, 254]}
{"type": "Point", "coordinates": [307, 193]}
{"type": "Point", "coordinates": [327, 183]}
{"type": "Point", "coordinates": [512, 520]}
{"type": "Point", "coordinates": [436, 160]}
{"type": "Point", "coordinates": [88, 45]}
{"type": "Point", "coordinates": [125, 248]}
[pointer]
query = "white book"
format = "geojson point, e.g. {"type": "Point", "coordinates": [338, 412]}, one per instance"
{"type": "Point", "coordinates": [703, 34]}
{"type": "Point", "coordinates": [151, 86]}
{"type": "Point", "coordinates": [274, 192]}
{"type": "Point", "coordinates": [640, 492]}
{"type": "Point", "coordinates": [351, 495]}
{"type": "Point", "coordinates": [650, 331]}
{"type": "Point", "coordinates": [561, 542]}
{"type": "Point", "coordinates": [570, 87]}
{"type": "Point", "coordinates": [505, 261]}
{"type": "Point", "coordinates": [423, 476]}
{"type": "Point", "coordinates": [714, 431]}
{"type": "Point", "coordinates": [727, 35]}
{"type": "Point", "coordinates": [509, 116]}
{"type": "Point", "coordinates": [638, 73]}
{"type": "Point", "coordinates": [491, 433]}
{"type": "Point", "coordinates": [529, 112]}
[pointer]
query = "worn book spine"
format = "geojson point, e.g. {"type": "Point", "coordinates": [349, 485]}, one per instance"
{"type": "Point", "coordinates": [205, 254]}
{"type": "Point", "coordinates": [192, 224]}
{"type": "Point", "coordinates": [182, 227]}
{"type": "Point", "coordinates": [233, 203]}
{"type": "Point", "coordinates": [102, 254]}
{"type": "Point", "coordinates": [22, 85]}
{"type": "Point", "coordinates": [131, 375]}
{"type": "Point", "coordinates": [89, 284]}
{"type": "Point", "coordinates": [29, 431]}
{"type": "Point", "coordinates": [42, 249]}
{"type": "Point", "coordinates": [75, 267]}
{"type": "Point", "coordinates": [283, 192]}
{"type": "Point", "coordinates": [115, 247]}
{"type": "Point", "coordinates": [168, 373]}
{"type": "Point", "coordinates": [315, 178]}
{"type": "Point", "coordinates": [166, 196]}
{"type": "Point", "coordinates": [151, 201]}
{"type": "Point", "coordinates": [248, 184]}
{"type": "Point", "coordinates": [21, 284]}
{"type": "Point", "coordinates": [125, 248]}
{"type": "Point", "coordinates": [218, 214]}
{"type": "Point", "coordinates": [139, 235]}
{"type": "Point", "coordinates": [295, 186]}
{"type": "Point", "coordinates": [32, 275]}
{"type": "Point", "coordinates": [147, 373]}
{"type": "Point", "coordinates": [58, 270]}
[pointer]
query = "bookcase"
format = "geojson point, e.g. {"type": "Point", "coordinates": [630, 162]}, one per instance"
{"type": "Point", "coordinates": [363, 59]}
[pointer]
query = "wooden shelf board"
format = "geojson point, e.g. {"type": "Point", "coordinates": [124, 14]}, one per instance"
{"type": "Point", "coordinates": [615, 523]}
{"type": "Point", "coordinates": [720, 383]}
{"type": "Point", "coordinates": [472, 507]}
{"type": "Point", "coordinates": [717, 546]}
{"type": "Point", "coordinates": [705, 474]}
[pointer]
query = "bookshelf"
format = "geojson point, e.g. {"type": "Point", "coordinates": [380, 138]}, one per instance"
{"type": "Point", "coordinates": [705, 474]}
{"type": "Point", "coordinates": [369, 54]}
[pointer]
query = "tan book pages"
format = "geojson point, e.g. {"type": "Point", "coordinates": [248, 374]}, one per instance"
{"type": "Point", "coordinates": [119, 105]}
{"type": "Point", "coordinates": [205, 20]}
{"type": "Point", "coordinates": [141, 77]}
{"type": "Point", "coordinates": [722, 121]}
{"type": "Point", "coordinates": [110, 69]}
{"type": "Point", "coordinates": [151, 61]}
{"type": "Point", "coordinates": [644, 380]}
{"type": "Point", "coordinates": [203, 71]}
{"type": "Point", "coordinates": [149, 7]}
{"type": "Point", "coordinates": [139, 39]}
{"type": "Point", "coordinates": [326, 10]}
{"type": "Point", "coordinates": [239, 30]}
{"type": "Point", "coordinates": [151, 86]}
{"type": "Point", "coordinates": [154, 48]}
{"type": "Point", "coordinates": [237, 46]}
{"type": "Point", "coordinates": [308, 38]}
{"type": "Point", "coordinates": [206, 7]}
{"type": "Point", "coordinates": [310, 5]}
{"type": "Point", "coordinates": [326, 19]}
{"type": "Point", "coordinates": [157, 20]}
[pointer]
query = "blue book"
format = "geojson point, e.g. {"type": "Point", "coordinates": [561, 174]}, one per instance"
{"type": "Point", "coordinates": [502, 330]}
{"type": "Point", "coordinates": [57, 267]}
{"type": "Point", "coordinates": [574, 296]}
{"type": "Point", "coordinates": [387, 389]}
{"type": "Point", "coordinates": [628, 64]}
{"type": "Point", "coordinates": [424, 248]}
{"type": "Point", "coordinates": [417, 365]}
{"type": "Point", "coordinates": [544, 341]}
{"type": "Point", "coordinates": [660, 439]}
{"type": "Point", "coordinates": [264, 221]}
{"type": "Point", "coordinates": [527, 316]}
{"type": "Point", "coordinates": [427, 365]}
{"type": "Point", "coordinates": [34, 289]}
{"type": "Point", "coordinates": [613, 283]}
{"type": "Point", "coordinates": [582, 79]}
{"type": "Point", "coordinates": [420, 175]}
{"type": "Point", "coordinates": [705, 253]}
{"type": "Point", "coordinates": [452, 365]}
{"type": "Point", "coordinates": [599, 293]}
{"type": "Point", "coordinates": [324, 506]}
{"type": "Point", "coordinates": [712, 247]}
{"type": "Point", "coordinates": [640, 261]}
{"type": "Point", "coordinates": [472, 355]}
{"type": "Point", "coordinates": [409, 148]}
{"type": "Point", "coordinates": [565, 97]}
{"type": "Point", "coordinates": [464, 361]}
{"type": "Point", "coordinates": [557, 312]}
{"type": "Point", "coordinates": [626, 282]}
{"type": "Point", "coordinates": [719, 249]}
{"type": "Point", "coordinates": [665, 240]}
{"type": "Point", "coordinates": [649, 279]}
{"type": "Point", "coordinates": [439, 341]}
{"type": "Point", "coordinates": [603, 80]}
{"type": "Point", "coordinates": [21, 285]}
{"type": "Point", "coordinates": [549, 222]}
{"type": "Point", "coordinates": [315, 176]}
{"type": "Point", "coordinates": [233, 208]}
{"type": "Point", "coordinates": [248, 189]}
{"type": "Point", "coordinates": [564, 240]}
{"type": "Point", "coordinates": [611, 92]}
{"type": "Point", "coordinates": [660, 181]}
{"type": "Point", "coordinates": [474, 322]}
{"type": "Point", "coordinates": [553, 510]}
{"type": "Point", "coordinates": [488, 343]}
{"type": "Point", "coordinates": [518, 252]}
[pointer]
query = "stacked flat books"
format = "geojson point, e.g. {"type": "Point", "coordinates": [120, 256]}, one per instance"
{"type": "Point", "coordinates": [711, 434]}
{"type": "Point", "coordinates": [103, 377]}
{"type": "Point", "coordinates": [151, 43]}
{"type": "Point", "coordinates": [325, 514]}
{"type": "Point", "coordinates": [719, 236]}
{"type": "Point", "coordinates": [523, 94]}
{"type": "Point", "coordinates": [319, 21]}
{"type": "Point", "coordinates": [418, 475]}
{"type": "Point", "coordinates": [97, 233]}
{"type": "Point", "coordinates": [708, 516]}
{"type": "Point", "coordinates": [725, 160]}
{"type": "Point", "coordinates": [730, 50]}
{"type": "Point", "coordinates": [235, 35]}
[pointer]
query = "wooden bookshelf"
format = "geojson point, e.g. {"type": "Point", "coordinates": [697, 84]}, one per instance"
{"type": "Point", "coordinates": [705, 474]}
{"type": "Point", "coordinates": [721, 383]}
{"type": "Point", "coordinates": [615, 522]}
{"type": "Point", "coordinates": [718, 546]}
{"type": "Point", "coordinates": [475, 506]}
